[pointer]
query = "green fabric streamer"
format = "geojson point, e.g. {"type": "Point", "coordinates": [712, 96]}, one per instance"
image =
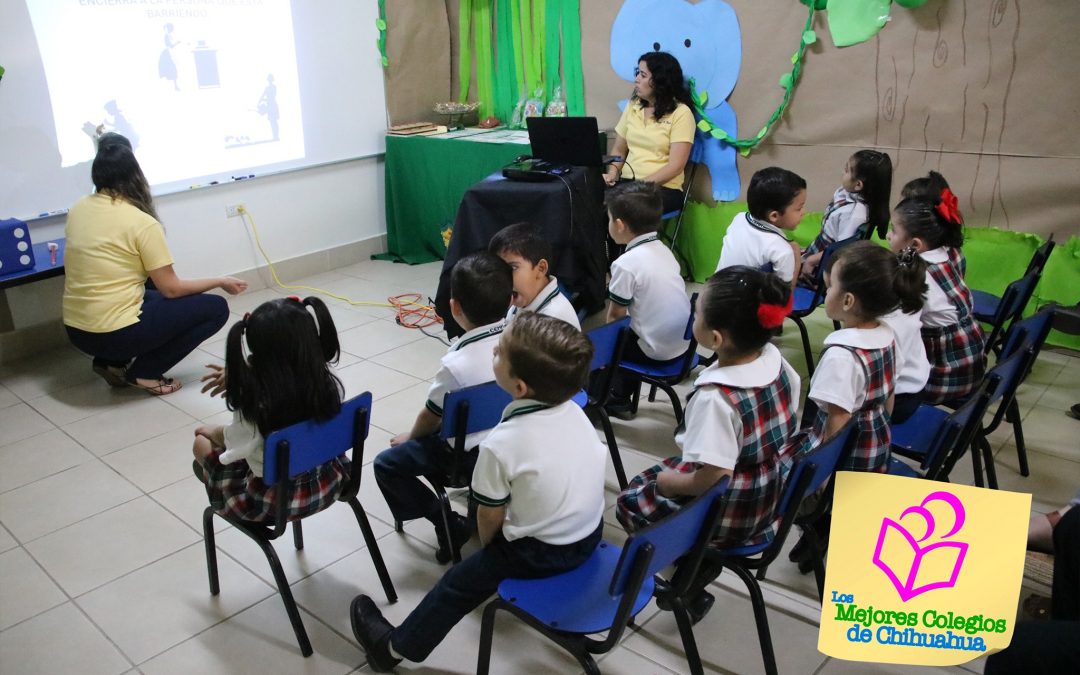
{"type": "Point", "coordinates": [380, 23]}
{"type": "Point", "coordinates": [485, 80]}
{"type": "Point", "coordinates": [552, 48]}
{"type": "Point", "coordinates": [506, 90]}
{"type": "Point", "coordinates": [464, 55]}
{"type": "Point", "coordinates": [525, 19]}
{"type": "Point", "coordinates": [787, 82]}
{"type": "Point", "coordinates": [519, 50]}
{"type": "Point", "coordinates": [538, 41]}
{"type": "Point", "coordinates": [573, 78]}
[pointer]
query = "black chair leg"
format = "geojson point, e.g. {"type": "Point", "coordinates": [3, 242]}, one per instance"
{"type": "Point", "coordinates": [805, 335]}
{"type": "Point", "coordinates": [635, 398]}
{"type": "Point", "coordinates": [399, 527]}
{"type": "Point", "coordinates": [762, 619]}
{"type": "Point", "coordinates": [487, 632]}
{"type": "Point", "coordinates": [286, 594]}
{"type": "Point", "coordinates": [686, 632]}
{"type": "Point", "coordinates": [613, 447]}
{"type": "Point", "coordinates": [652, 394]}
{"type": "Point", "coordinates": [762, 571]}
{"type": "Point", "coordinates": [211, 550]}
{"type": "Point", "coordinates": [675, 403]}
{"type": "Point", "coordinates": [976, 463]}
{"type": "Point", "coordinates": [1012, 415]}
{"type": "Point", "coordinates": [447, 512]}
{"type": "Point", "coordinates": [298, 535]}
{"type": "Point", "coordinates": [988, 460]}
{"type": "Point", "coordinates": [373, 550]}
{"type": "Point", "coordinates": [817, 558]}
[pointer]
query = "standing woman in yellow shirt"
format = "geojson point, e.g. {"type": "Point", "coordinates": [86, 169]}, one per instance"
{"type": "Point", "coordinates": [114, 243]}
{"type": "Point", "coordinates": [656, 130]}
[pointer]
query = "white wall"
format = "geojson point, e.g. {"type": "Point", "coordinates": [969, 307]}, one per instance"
{"type": "Point", "coordinates": [297, 212]}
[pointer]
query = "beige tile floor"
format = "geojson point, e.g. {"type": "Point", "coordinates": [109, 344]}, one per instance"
{"type": "Point", "coordinates": [101, 560]}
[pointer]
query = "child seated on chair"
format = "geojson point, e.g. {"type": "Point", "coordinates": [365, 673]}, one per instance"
{"type": "Point", "coordinates": [480, 286]}
{"type": "Point", "coordinates": [524, 249]}
{"type": "Point", "coordinates": [538, 483]}
{"type": "Point", "coordinates": [775, 200]}
{"type": "Point", "coordinates": [738, 420]}
{"type": "Point", "coordinates": [283, 380]}
{"type": "Point", "coordinates": [645, 283]}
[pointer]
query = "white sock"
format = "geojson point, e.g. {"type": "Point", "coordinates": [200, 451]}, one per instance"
{"type": "Point", "coordinates": [393, 652]}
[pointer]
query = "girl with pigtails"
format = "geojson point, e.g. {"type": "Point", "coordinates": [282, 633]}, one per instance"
{"type": "Point", "coordinates": [277, 359]}
{"type": "Point", "coordinates": [928, 220]}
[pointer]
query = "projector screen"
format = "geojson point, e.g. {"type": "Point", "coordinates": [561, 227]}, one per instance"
{"type": "Point", "coordinates": [208, 91]}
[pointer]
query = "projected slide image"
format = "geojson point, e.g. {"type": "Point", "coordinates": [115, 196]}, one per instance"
{"type": "Point", "coordinates": [201, 87]}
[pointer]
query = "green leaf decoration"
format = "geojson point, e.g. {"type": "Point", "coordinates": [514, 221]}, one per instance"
{"type": "Point", "coordinates": [785, 80]}
{"type": "Point", "coordinates": [855, 21]}
{"type": "Point", "coordinates": [809, 37]}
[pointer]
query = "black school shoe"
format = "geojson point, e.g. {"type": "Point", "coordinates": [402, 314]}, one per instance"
{"type": "Point", "coordinates": [460, 532]}
{"type": "Point", "coordinates": [621, 409]}
{"type": "Point", "coordinates": [372, 631]}
{"type": "Point", "coordinates": [698, 606]}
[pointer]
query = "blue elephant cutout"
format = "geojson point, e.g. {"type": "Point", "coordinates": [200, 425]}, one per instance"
{"type": "Point", "coordinates": [706, 40]}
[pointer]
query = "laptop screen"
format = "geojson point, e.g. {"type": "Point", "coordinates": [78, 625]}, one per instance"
{"type": "Point", "coordinates": [565, 140]}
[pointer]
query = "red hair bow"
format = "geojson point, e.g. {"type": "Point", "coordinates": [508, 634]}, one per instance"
{"type": "Point", "coordinates": [772, 316]}
{"type": "Point", "coordinates": [949, 208]}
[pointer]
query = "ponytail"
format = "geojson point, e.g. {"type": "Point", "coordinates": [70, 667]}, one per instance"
{"type": "Point", "coordinates": [324, 327]}
{"type": "Point", "coordinates": [874, 169]}
{"type": "Point", "coordinates": [880, 280]}
{"type": "Point", "coordinates": [241, 384]}
{"type": "Point", "coordinates": [748, 305]}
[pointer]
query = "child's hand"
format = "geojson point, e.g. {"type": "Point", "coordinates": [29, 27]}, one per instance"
{"type": "Point", "coordinates": [399, 439]}
{"type": "Point", "coordinates": [215, 380]}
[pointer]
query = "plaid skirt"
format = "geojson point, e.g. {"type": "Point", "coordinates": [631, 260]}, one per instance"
{"type": "Point", "coordinates": [956, 360]}
{"type": "Point", "coordinates": [235, 491]}
{"type": "Point", "coordinates": [640, 504]}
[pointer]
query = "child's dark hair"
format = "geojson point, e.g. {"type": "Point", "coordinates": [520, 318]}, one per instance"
{"type": "Point", "coordinates": [482, 284]}
{"type": "Point", "coordinates": [919, 217]}
{"type": "Point", "coordinates": [550, 355]}
{"type": "Point", "coordinates": [927, 187]}
{"type": "Point", "coordinates": [285, 378]}
{"type": "Point", "coordinates": [525, 240]}
{"type": "Point", "coordinates": [874, 169]}
{"type": "Point", "coordinates": [731, 302]}
{"type": "Point", "coordinates": [880, 279]}
{"type": "Point", "coordinates": [772, 189]}
{"type": "Point", "coordinates": [636, 203]}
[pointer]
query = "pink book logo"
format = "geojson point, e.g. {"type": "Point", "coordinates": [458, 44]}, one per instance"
{"type": "Point", "coordinates": [907, 554]}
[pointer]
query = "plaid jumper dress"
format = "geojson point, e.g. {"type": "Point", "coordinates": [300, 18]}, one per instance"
{"type": "Point", "coordinates": [823, 240]}
{"type": "Point", "coordinates": [750, 517]}
{"type": "Point", "coordinates": [870, 451]}
{"type": "Point", "coordinates": [955, 352]}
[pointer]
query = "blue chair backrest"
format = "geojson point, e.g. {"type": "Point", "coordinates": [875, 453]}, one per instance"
{"type": "Point", "coordinates": [605, 341]}
{"type": "Point", "coordinates": [1016, 297]}
{"type": "Point", "coordinates": [825, 459]}
{"type": "Point", "coordinates": [1028, 332]}
{"type": "Point", "coordinates": [671, 538]}
{"type": "Point", "coordinates": [483, 408]}
{"type": "Point", "coordinates": [1042, 255]}
{"type": "Point", "coordinates": [314, 443]}
{"type": "Point", "coordinates": [959, 429]}
{"type": "Point", "coordinates": [1010, 372]}
{"type": "Point", "coordinates": [819, 271]}
{"type": "Point", "coordinates": [688, 334]}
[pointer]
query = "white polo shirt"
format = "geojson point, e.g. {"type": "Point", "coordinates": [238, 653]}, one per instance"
{"type": "Point", "coordinates": [467, 363]}
{"type": "Point", "coordinates": [912, 365]}
{"type": "Point", "coordinates": [645, 279]}
{"type": "Point", "coordinates": [549, 302]}
{"type": "Point", "coordinates": [546, 463]}
{"type": "Point", "coordinates": [714, 429]}
{"type": "Point", "coordinates": [845, 213]}
{"type": "Point", "coordinates": [758, 244]}
{"type": "Point", "coordinates": [839, 377]}
{"type": "Point", "coordinates": [938, 311]}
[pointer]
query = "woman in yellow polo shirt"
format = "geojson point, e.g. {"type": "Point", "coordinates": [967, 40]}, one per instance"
{"type": "Point", "coordinates": [114, 243]}
{"type": "Point", "coordinates": [656, 130]}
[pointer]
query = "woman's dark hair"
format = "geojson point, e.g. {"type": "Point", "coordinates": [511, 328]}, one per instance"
{"type": "Point", "coordinates": [285, 378]}
{"type": "Point", "coordinates": [874, 169]}
{"type": "Point", "coordinates": [919, 218]}
{"type": "Point", "coordinates": [112, 138]}
{"type": "Point", "coordinates": [879, 278]}
{"type": "Point", "coordinates": [731, 300]}
{"type": "Point", "coordinates": [548, 354]}
{"type": "Point", "coordinates": [927, 187]}
{"type": "Point", "coordinates": [483, 284]}
{"type": "Point", "coordinates": [668, 83]}
{"type": "Point", "coordinates": [116, 173]}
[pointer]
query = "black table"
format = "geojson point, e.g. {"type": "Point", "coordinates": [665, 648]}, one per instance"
{"type": "Point", "coordinates": [570, 213]}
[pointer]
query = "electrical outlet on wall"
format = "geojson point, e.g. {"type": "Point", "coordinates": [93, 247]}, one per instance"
{"type": "Point", "coordinates": [233, 210]}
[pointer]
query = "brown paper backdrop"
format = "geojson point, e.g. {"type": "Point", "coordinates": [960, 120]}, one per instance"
{"type": "Point", "coordinates": [983, 91]}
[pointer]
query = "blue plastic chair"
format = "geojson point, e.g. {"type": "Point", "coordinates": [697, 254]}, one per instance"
{"type": "Point", "coordinates": [986, 304]}
{"type": "Point", "coordinates": [610, 588]}
{"type": "Point", "coordinates": [288, 453]}
{"type": "Point", "coordinates": [807, 299]}
{"type": "Point", "coordinates": [607, 341]}
{"type": "Point", "coordinates": [1009, 310]}
{"type": "Point", "coordinates": [814, 468]}
{"type": "Point", "coordinates": [666, 375]}
{"type": "Point", "coordinates": [465, 411]}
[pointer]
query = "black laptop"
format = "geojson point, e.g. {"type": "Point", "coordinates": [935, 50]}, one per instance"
{"type": "Point", "coordinates": [565, 140]}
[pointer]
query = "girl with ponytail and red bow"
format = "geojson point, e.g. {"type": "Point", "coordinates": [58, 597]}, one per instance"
{"type": "Point", "coordinates": [739, 417]}
{"type": "Point", "coordinates": [928, 219]}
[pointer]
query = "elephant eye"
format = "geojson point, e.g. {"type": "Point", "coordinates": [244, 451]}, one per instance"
{"type": "Point", "coordinates": [686, 42]}
{"type": "Point", "coordinates": [656, 46]}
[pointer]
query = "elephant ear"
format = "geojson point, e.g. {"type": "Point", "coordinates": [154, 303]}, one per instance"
{"type": "Point", "coordinates": [627, 39]}
{"type": "Point", "coordinates": [855, 21]}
